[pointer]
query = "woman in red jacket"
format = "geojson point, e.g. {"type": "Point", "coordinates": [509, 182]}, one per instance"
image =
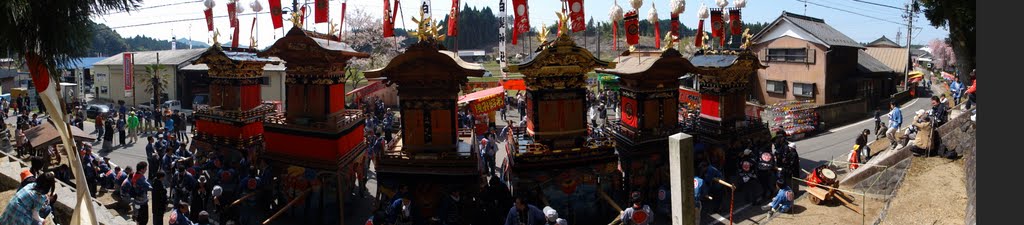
{"type": "Point", "coordinates": [971, 100]}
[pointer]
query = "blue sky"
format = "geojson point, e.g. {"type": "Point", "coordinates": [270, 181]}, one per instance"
{"type": "Point", "coordinates": [858, 27]}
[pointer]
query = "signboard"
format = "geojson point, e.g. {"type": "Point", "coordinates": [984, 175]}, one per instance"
{"type": "Point", "coordinates": [689, 98]}
{"type": "Point", "coordinates": [488, 104]}
{"type": "Point", "coordinates": [128, 64]}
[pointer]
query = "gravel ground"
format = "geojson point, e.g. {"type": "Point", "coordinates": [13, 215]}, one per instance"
{"type": "Point", "coordinates": [933, 193]}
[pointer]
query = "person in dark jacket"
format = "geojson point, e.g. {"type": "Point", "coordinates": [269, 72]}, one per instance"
{"type": "Point", "coordinates": [450, 211]}
{"type": "Point", "coordinates": [159, 198]}
{"type": "Point", "coordinates": [108, 134]}
{"type": "Point", "coordinates": [400, 212]}
{"type": "Point", "coordinates": [524, 214]}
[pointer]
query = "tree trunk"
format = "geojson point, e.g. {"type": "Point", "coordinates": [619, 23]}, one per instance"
{"type": "Point", "coordinates": [963, 44]}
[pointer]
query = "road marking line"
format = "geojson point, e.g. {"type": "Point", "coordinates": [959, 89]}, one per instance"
{"type": "Point", "coordinates": [868, 120]}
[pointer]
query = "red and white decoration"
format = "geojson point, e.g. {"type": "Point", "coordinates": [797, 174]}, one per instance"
{"type": "Point", "coordinates": [579, 22]}
{"type": "Point", "coordinates": [453, 19]}
{"type": "Point", "coordinates": [501, 36]}
{"type": "Point", "coordinates": [209, 13]}
{"type": "Point", "coordinates": [614, 16]}
{"type": "Point", "coordinates": [233, 14]}
{"type": "Point", "coordinates": [652, 16]}
{"type": "Point", "coordinates": [341, 24]}
{"type": "Point", "coordinates": [128, 64]}
{"type": "Point", "coordinates": [276, 14]}
{"type": "Point", "coordinates": [632, 23]}
{"type": "Point", "coordinates": [522, 24]}
{"type": "Point", "coordinates": [389, 18]}
{"type": "Point", "coordinates": [678, 6]}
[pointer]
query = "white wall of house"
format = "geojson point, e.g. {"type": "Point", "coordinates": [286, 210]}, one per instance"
{"type": "Point", "coordinates": [111, 79]}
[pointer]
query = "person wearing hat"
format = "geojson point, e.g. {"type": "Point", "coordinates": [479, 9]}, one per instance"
{"type": "Point", "coordinates": [922, 142]}
{"type": "Point", "coordinates": [180, 215]}
{"type": "Point", "coordinates": [789, 163]}
{"type": "Point", "coordinates": [639, 213]}
{"type": "Point", "coordinates": [552, 217]}
{"type": "Point", "coordinates": [782, 201]}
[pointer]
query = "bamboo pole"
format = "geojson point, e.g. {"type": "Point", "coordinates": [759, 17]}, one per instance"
{"type": "Point", "coordinates": [288, 206]}
{"type": "Point", "coordinates": [233, 204]}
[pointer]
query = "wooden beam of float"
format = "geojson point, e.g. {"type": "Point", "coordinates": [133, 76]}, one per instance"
{"type": "Point", "coordinates": [556, 90]}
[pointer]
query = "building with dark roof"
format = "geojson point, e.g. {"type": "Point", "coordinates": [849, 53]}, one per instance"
{"type": "Point", "coordinates": [883, 42]}
{"type": "Point", "coordinates": [809, 60]}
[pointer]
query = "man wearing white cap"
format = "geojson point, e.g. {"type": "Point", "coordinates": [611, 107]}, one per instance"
{"type": "Point", "coordinates": [552, 217]}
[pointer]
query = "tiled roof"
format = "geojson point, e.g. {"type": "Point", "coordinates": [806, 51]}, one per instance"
{"type": "Point", "coordinates": [868, 64]}
{"type": "Point", "coordinates": [816, 27]}
{"type": "Point", "coordinates": [895, 58]}
{"type": "Point", "coordinates": [883, 42]}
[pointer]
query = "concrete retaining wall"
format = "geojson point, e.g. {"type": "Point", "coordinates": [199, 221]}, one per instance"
{"type": "Point", "coordinates": [839, 113]}
{"type": "Point", "coordinates": [959, 134]}
{"type": "Point", "coordinates": [66, 199]}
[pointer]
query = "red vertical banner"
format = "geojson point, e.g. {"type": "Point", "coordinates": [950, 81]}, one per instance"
{"type": "Point", "coordinates": [276, 14]}
{"type": "Point", "coordinates": [657, 35]}
{"type": "Point", "coordinates": [615, 35]}
{"type": "Point", "coordinates": [717, 23]}
{"type": "Point", "coordinates": [209, 19]}
{"type": "Point", "coordinates": [698, 40]}
{"type": "Point", "coordinates": [128, 64]}
{"type": "Point", "coordinates": [577, 16]}
{"type": "Point", "coordinates": [321, 11]}
{"type": "Point", "coordinates": [389, 24]}
{"type": "Point", "coordinates": [734, 21]}
{"type": "Point", "coordinates": [632, 27]}
{"type": "Point", "coordinates": [675, 25]}
{"type": "Point", "coordinates": [341, 25]}
{"type": "Point", "coordinates": [522, 20]}
{"type": "Point", "coordinates": [232, 15]}
{"type": "Point", "coordinates": [453, 19]}
{"type": "Point", "coordinates": [628, 111]}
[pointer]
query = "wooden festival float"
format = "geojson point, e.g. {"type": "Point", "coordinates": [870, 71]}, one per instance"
{"type": "Point", "coordinates": [554, 162]}
{"type": "Point", "coordinates": [724, 84]}
{"type": "Point", "coordinates": [649, 95]}
{"type": "Point", "coordinates": [428, 154]}
{"type": "Point", "coordinates": [316, 146]}
{"type": "Point", "coordinates": [232, 123]}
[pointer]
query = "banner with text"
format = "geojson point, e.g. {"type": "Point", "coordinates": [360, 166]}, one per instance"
{"type": "Point", "coordinates": [129, 73]}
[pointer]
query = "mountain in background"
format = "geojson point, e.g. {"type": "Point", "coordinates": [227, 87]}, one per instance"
{"type": "Point", "coordinates": [107, 42]}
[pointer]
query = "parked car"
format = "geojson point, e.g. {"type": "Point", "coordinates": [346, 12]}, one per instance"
{"type": "Point", "coordinates": [93, 110]}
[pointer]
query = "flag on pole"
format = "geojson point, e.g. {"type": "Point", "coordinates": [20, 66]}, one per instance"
{"type": "Point", "coordinates": [425, 7]}
{"type": "Point", "coordinates": [275, 14]}
{"type": "Point", "coordinates": [389, 23]}
{"type": "Point", "coordinates": [302, 19]}
{"type": "Point", "coordinates": [522, 25]}
{"type": "Point", "coordinates": [453, 19]}
{"type": "Point", "coordinates": [321, 11]}
{"type": "Point", "coordinates": [209, 19]}
{"type": "Point", "coordinates": [576, 14]}
{"type": "Point", "coordinates": [717, 23]}
{"type": "Point", "coordinates": [232, 15]}
{"type": "Point", "coordinates": [341, 24]}
{"type": "Point", "coordinates": [501, 36]}
{"type": "Point", "coordinates": [84, 211]}
{"type": "Point", "coordinates": [234, 37]}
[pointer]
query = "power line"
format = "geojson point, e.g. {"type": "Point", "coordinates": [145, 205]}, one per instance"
{"type": "Point", "coordinates": [852, 12]}
{"type": "Point", "coordinates": [182, 20]}
{"type": "Point", "coordinates": [156, 6]}
{"type": "Point", "coordinates": [882, 5]}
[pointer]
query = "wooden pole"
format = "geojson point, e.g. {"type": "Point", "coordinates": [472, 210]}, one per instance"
{"type": "Point", "coordinates": [288, 206]}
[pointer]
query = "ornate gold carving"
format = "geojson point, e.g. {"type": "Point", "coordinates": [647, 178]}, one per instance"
{"type": "Point", "coordinates": [543, 35]}
{"type": "Point", "coordinates": [746, 39]}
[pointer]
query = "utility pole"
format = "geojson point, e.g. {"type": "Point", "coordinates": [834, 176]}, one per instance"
{"type": "Point", "coordinates": [910, 30]}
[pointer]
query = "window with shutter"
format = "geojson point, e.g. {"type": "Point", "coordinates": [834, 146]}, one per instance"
{"type": "Point", "coordinates": [788, 55]}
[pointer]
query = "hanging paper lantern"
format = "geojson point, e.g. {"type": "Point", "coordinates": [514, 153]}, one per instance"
{"type": "Point", "coordinates": [739, 3]}
{"type": "Point", "coordinates": [636, 4]}
{"type": "Point", "coordinates": [239, 8]}
{"type": "Point", "coordinates": [678, 6]}
{"type": "Point", "coordinates": [256, 6]}
{"type": "Point", "coordinates": [209, 4]}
